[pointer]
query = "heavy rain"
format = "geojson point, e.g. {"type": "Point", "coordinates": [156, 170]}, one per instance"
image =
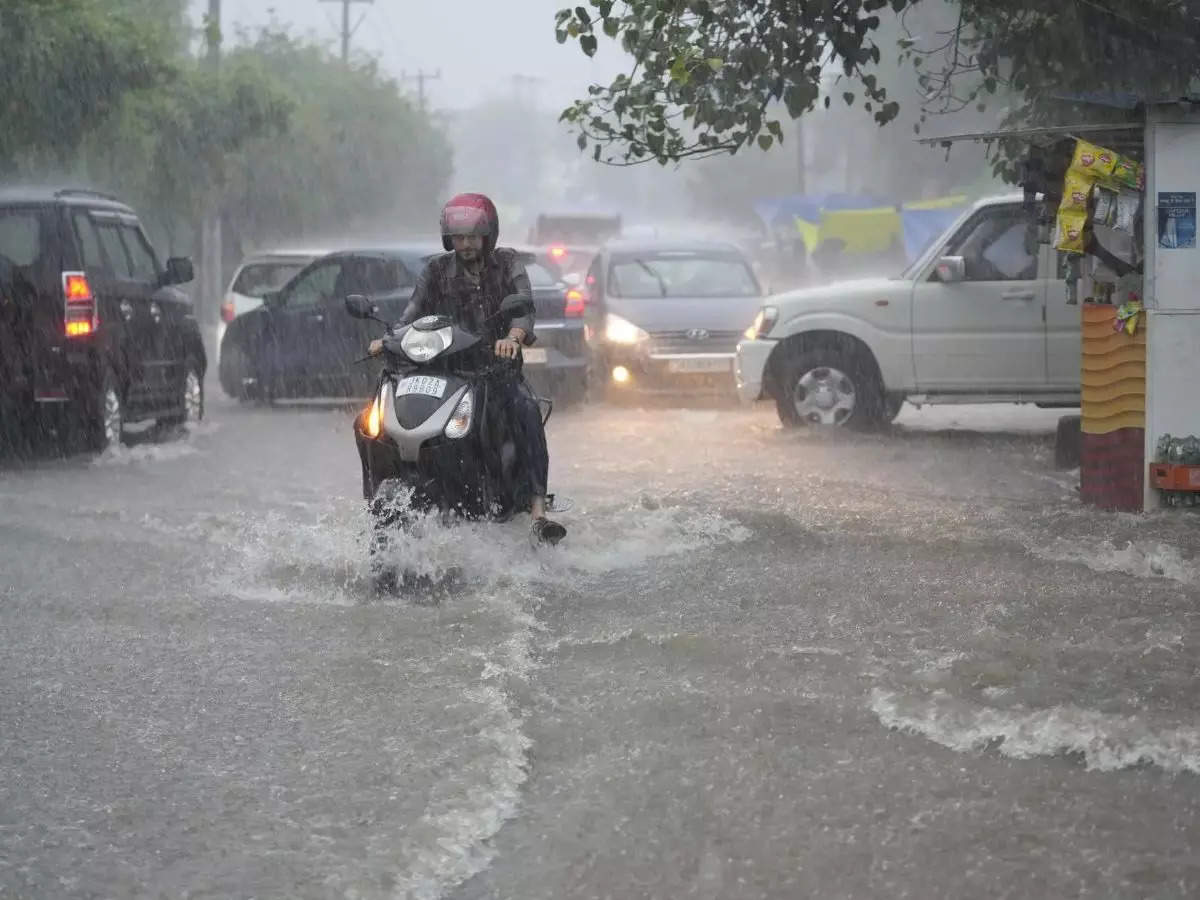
{"type": "Point", "coordinates": [638, 450]}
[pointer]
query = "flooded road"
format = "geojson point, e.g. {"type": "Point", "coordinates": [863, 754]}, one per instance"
{"type": "Point", "coordinates": [764, 664]}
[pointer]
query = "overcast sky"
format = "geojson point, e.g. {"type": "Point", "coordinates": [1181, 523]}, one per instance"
{"type": "Point", "coordinates": [479, 45]}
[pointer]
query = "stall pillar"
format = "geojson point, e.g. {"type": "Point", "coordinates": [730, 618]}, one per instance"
{"type": "Point", "coordinates": [1172, 279]}
{"type": "Point", "coordinates": [1113, 412]}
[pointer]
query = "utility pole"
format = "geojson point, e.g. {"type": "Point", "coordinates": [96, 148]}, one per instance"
{"type": "Point", "coordinates": [347, 31]}
{"type": "Point", "coordinates": [209, 287]}
{"type": "Point", "coordinates": [801, 158]}
{"type": "Point", "coordinates": [420, 78]}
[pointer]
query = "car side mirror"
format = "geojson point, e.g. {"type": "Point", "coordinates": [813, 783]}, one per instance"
{"type": "Point", "coordinates": [179, 271]}
{"type": "Point", "coordinates": [272, 299]}
{"type": "Point", "coordinates": [360, 307]}
{"type": "Point", "coordinates": [951, 269]}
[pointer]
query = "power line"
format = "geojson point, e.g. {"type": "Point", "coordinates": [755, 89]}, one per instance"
{"type": "Point", "coordinates": [347, 31]}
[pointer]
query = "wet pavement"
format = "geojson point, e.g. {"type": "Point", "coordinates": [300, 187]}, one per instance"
{"type": "Point", "coordinates": [764, 664]}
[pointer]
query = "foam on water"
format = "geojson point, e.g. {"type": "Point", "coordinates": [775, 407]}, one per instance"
{"type": "Point", "coordinates": [1140, 559]}
{"type": "Point", "coordinates": [301, 554]}
{"type": "Point", "coordinates": [1106, 742]}
{"type": "Point", "coordinates": [144, 453]}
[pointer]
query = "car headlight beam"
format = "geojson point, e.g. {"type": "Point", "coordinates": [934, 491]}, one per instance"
{"type": "Point", "coordinates": [763, 323]}
{"type": "Point", "coordinates": [622, 331]}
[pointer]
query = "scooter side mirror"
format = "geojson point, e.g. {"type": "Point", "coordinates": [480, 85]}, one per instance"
{"type": "Point", "coordinates": [360, 307]}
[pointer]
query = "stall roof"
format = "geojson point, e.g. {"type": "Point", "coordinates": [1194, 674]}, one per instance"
{"type": "Point", "coordinates": [1049, 131]}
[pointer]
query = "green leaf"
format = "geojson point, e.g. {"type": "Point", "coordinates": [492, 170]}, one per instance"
{"type": "Point", "coordinates": [587, 43]}
{"type": "Point", "coordinates": [848, 96]}
{"type": "Point", "coordinates": [765, 141]}
{"type": "Point", "coordinates": [715, 63]}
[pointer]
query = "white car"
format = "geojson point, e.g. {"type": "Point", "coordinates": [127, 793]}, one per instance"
{"type": "Point", "coordinates": [259, 274]}
{"type": "Point", "coordinates": [981, 317]}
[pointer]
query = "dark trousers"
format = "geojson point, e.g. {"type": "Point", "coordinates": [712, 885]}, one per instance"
{"type": "Point", "coordinates": [524, 417]}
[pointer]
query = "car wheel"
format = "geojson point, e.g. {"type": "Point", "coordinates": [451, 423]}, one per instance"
{"type": "Point", "coordinates": [105, 422]}
{"type": "Point", "coordinates": [191, 401]}
{"type": "Point", "coordinates": [234, 369]}
{"type": "Point", "coordinates": [830, 388]}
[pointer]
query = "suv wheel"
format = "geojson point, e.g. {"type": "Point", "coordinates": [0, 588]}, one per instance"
{"type": "Point", "coordinates": [191, 401]}
{"type": "Point", "coordinates": [830, 388]}
{"type": "Point", "coordinates": [105, 421]}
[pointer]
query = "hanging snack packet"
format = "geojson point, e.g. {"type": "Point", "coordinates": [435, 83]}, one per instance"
{"type": "Point", "coordinates": [1076, 188]}
{"type": "Point", "coordinates": [1106, 206]}
{"type": "Point", "coordinates": [1093, 161]}
{"type": "Point", "coordinates": [1129, 173]}
{"type": "Point", "coordinates": [1128, 206]}
{"type": "Point", "coordinates": [1070, 231]}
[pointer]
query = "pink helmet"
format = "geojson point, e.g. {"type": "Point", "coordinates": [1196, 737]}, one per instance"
{"type": "Point", "coordinates": [470, 214]}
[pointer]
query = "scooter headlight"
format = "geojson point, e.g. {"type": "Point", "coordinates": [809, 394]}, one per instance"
{"type": "Point", "coordinates": [460, 422]}
{"type": "Point", "coordinates": [422, 346]}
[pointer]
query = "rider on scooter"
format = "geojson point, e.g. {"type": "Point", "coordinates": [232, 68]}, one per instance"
{"type": "Point", "coordinates": [467, 283]}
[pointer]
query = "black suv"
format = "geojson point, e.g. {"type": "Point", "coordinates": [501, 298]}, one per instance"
{"type": "Point", "coordinates": [93, 334]}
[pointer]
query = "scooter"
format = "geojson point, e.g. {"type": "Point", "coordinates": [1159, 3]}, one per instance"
{"type": "Point", "coordinates": [430, 441]}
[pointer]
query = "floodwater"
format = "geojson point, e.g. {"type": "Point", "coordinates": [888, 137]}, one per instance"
{"type": "Point", "coordinates": [764, 664]}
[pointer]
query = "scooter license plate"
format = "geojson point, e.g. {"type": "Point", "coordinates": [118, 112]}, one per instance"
{"type": "Point", "coordinates": [535, 356]}
{"type": "Point", "coordinates": [421, 384]}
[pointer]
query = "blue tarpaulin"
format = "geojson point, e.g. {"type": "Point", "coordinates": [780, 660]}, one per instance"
{"type": "Point", "coordinates": [784, 210]}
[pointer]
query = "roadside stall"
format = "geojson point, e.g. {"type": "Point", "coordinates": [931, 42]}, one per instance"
{"type": "Point", "coordinates": [1119, 204]}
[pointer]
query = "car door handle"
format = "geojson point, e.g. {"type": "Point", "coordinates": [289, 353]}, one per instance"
{"type": "Point", "coordinates": [1017, 295]}
{"type": "Point", "coordinates": [126, 310]}
{"type": "Point", "coordinates": [317, 317]}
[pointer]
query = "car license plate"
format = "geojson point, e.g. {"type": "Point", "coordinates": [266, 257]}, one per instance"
{"type": "Point", "coordinates": [421, 384]}
{"type": "Point", "coordinates": [534, 355]}
{"type": "Point", "coordinates": [702, 364]}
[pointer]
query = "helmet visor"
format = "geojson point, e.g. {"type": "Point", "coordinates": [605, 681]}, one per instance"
{"type": "Point", "coordinates": [465, 220]}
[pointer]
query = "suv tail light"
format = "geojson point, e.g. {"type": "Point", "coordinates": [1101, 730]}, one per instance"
{"type": "Point", "coordinates": [81, 315]}
{"type": "Point", "coordinates": [228, 313]}
{"type": "Point", "coordinates": [576, 303]}
{"type": "Point", "coordinates": [558, 252]}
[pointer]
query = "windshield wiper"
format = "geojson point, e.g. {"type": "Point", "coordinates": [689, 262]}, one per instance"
{"type": "Point", "coordinates": [662, 285]}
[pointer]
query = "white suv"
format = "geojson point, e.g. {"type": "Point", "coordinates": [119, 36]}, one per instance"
{"type": "Point", "coordinates": [982, 316]}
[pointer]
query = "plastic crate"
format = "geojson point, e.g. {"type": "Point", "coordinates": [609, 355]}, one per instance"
{"type": "Point", "coordinates": [1175, 477]}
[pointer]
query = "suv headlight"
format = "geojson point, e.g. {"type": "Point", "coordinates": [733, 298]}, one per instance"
{"type": "Point", "coordinates": [460, 422]}
{"type": "Point", "coordinates": [763, 323]}
{"type": "Point", "coordinates": [422, 346]}
{"type": "Point", "coordinates": [622, 331]}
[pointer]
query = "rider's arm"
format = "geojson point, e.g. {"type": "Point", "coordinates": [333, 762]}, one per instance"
{"type": "Point", "coordinates": [517, 282]}
{"type": "Point", "coordinates": [422, 295]}
{"type": "Point", "coordinates": [418, 305]}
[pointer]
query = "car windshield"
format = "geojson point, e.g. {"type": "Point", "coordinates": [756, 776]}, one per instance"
{"type": "Point", "coordinates": [541, 276]}
{"type": "Point", "coordinates": [257, 279]}
{"type": "Point", "coordinates": [683, 275]}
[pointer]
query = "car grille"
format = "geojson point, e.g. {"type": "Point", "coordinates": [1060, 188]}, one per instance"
{"type": "Point", "coordinates": [681, 342]}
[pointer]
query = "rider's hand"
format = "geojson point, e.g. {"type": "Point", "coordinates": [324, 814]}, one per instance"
{"type": "Point", "coordinates": [376, 347]}
{"type": "Point", "coordinates": [507, 348]}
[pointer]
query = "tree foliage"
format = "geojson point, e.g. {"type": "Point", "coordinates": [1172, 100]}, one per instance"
{"type": "Point", "coordinates": [68, 64]}
{"type": "Point", "coordinates": [706, 73]}
{"type": "Point", "coordinates": [356, 150]}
